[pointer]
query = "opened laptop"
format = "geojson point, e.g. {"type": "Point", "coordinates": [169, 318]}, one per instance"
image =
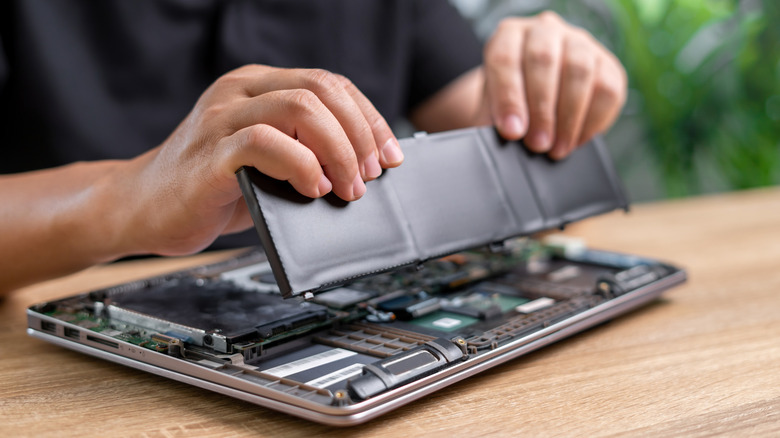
{"type": "Point", "coordinates": [354, 309]}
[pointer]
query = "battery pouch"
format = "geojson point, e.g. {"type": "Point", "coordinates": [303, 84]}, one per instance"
{"type": "Point", "coordinates": [456, 190]}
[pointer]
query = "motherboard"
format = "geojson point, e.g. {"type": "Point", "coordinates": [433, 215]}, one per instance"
{"type": "Point", "coordinates": [358, 340]}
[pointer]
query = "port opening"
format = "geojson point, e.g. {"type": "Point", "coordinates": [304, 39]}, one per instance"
{"type": "Point", "coordinates": [48, 326]}
{"type": "Point", "coordinates": [72, 333]}
{"type": "Point", "coordinates": [103, 342]}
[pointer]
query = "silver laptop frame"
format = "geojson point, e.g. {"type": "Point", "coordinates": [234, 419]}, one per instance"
{"type": "Point", "coordinates": [125, 353]}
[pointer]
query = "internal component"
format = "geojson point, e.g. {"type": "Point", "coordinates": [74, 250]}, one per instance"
{"type": "Point", "coordinates": [215, 314]}
{"type": "Point", "coordinates": [405, 367]}
{"type": "Point", "coordinates": [484, 301]}
{"type": "Point", "coordinates": [342, 297]}
{"type": "Point", "coordinates": [527, 323]}
{"type": "Point", "coordinates": [630, 279]}
{"type": "Point", "coordinates": [373, 339]}
{"type": "Point", "coordinates": [359, 340]}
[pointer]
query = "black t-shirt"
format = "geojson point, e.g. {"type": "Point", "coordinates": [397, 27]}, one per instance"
{"type": "Point", "coordinates": [111, 79]}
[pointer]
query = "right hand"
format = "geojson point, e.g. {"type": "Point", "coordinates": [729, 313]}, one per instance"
{"type": "Point", "coordinates": [551, 83]}
{"type": "Point", "coordinates": [312, 128]}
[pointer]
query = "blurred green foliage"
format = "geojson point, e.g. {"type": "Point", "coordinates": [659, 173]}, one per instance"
{"type": "Point", "coordinates": [708, 76]}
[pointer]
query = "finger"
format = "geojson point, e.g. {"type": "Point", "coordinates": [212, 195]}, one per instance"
{"type": "Point", "coordinates": [541, 71]}
{"type": "Point", "coordinates": [389, 151]}
{"type": "Point", "coordinates": [302, 116]}
{"type": "Point", "coordinates": [504, 82]}
{"type": "Point", "coordinates": [578, 68]}
{"type": "Point", "coordinates": [331, 91]}
{"type": "Point", "coordinates": [275, 154]}
{"type": "Point", "coordinates": [609, 95]}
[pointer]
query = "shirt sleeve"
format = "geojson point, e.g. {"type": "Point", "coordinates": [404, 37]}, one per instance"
{"type": "Point", "coordinates": [444, 47]}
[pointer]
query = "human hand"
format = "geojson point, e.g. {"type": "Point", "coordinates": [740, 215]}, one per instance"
{"type": "Point", "coordinates": [550, 83]}
{"type": "Point", "coordinates": [309, 127]}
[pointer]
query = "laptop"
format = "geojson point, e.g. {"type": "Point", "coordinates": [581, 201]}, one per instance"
{"type": "Point", "coordinates": [350, 310]}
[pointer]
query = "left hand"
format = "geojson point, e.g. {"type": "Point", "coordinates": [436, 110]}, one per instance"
{"type": "Point", "coordinates": [550, 83]}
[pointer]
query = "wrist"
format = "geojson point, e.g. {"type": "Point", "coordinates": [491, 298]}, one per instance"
{"type": "Point", "coordinates": [120, 211]}
{"type": "Point", "coordinates": [98, 222]}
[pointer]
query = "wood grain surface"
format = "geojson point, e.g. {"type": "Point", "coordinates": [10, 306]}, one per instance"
{"type": "Point", "coordinates": [704, 360]}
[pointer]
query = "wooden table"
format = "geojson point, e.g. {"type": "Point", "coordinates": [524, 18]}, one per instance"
{"type": "Point", "coordinates": [704, 360]}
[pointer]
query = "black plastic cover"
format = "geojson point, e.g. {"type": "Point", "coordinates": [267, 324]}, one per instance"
{"type": "Point", "coordinates": [403, 368]}
{"type": "Point", "coordinates": [456, 190]}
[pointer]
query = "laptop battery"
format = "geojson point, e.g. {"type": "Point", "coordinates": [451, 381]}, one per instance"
{"type": "Point", "coordinates": [456, 190]}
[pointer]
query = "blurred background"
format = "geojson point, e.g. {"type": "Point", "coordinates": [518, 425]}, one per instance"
{"type": "Point", "coordinates": [703, 112]}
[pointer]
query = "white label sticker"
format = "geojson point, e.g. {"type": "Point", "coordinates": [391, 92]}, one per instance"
{"type": "Point", "coordinates": [337, 376]}
{"type": "Point", "coordinates": [446, 322]}
{"type": "Point", "coordinates": [535, 305]}
{"type": "Point", "coordinates": [565, 273]}
{"type": "Point", "coordinates": [310, 362]}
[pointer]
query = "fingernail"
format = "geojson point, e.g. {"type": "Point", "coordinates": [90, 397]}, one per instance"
{"type": "Point", "coordinates": [557, 154]}
{"type": "Point", "coordinates": [325, 186]}
{"type": "Point", "coordinates": [358, 187]}
{"type": "Point", "coordinates": [392, 152]}
{"type": "Point", "coordinates": [559, 150]}
{"type": "Point", "coordinates": [513, 126]}
{"type": "Point", "coordinates": [540, 142]}
{"type": "Point", "coordinates": [373, 169]}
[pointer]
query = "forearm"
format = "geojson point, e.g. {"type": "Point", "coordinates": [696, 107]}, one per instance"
{"type": "Point", "coordinates": [60, 220]}
{"type": "Point", "coordinates": [458, 105]}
